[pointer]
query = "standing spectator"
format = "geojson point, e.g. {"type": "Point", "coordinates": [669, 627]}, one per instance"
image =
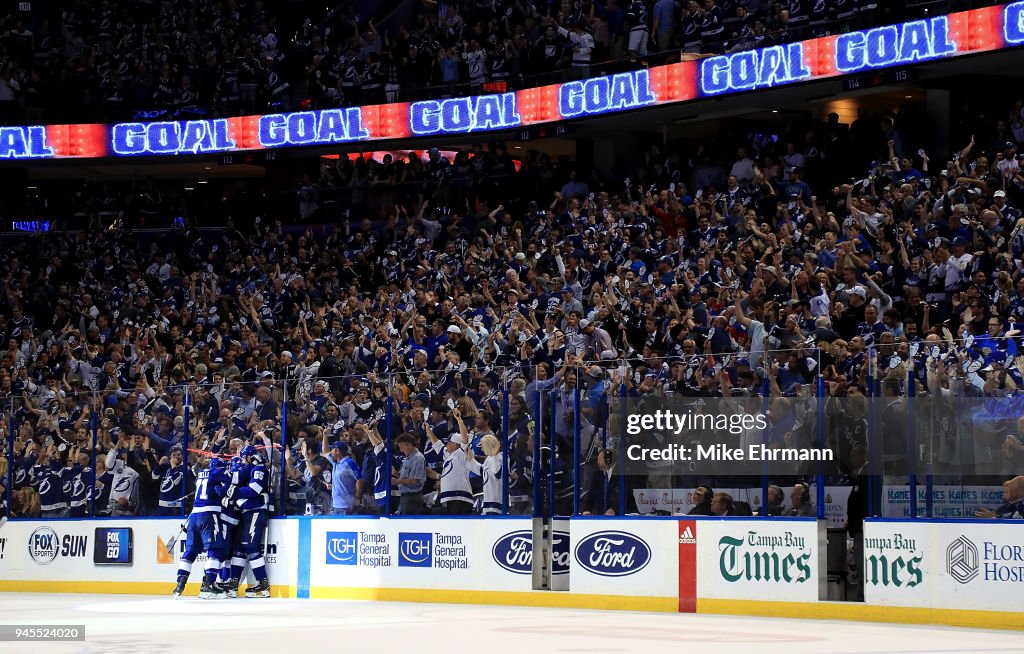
{"type": "Point", "coordinates": [857, 508]}
{"type": "Point", "coordinates": [615, 19]}
{"type": "Point", "coordinates": [491, 472]}
{"type": "Point", "coordinates": [602, 496]}
{"type": "Point", "coordinates": [636, 23]}
{"type": "Point", "coordinates": [316, 475]}
{"type": "Point", "coordinates": [411, 478]}
{"type": "Point", "coordinates": [691, 26]}
{"type": "Point", "coordinates": [582, 47]}
{"type": "Point", "coordinates": [476, 63]}
{"type": "Point", "coordinates": [712, 29]}
{"type": "Point", "coordinates": [123, 482]}
{"type": "Point", "coordinates": [346, 478]}
{"type": "Point", "coordinates": [176, 481]}
{"type": "Point", "coordinates": [743, 168]}
{"type": "Point", "coordinates": [456, 495]}
{"type": "Point", "coordinates": [664, 25]}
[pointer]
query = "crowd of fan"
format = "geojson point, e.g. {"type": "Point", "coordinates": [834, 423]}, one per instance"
{"type": "Point", "coordinates": [199, 58]}
{"type": "Point", "coordinates": [698, 277]}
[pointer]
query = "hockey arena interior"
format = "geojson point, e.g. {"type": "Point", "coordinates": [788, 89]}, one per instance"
{"type": "Point", "coordinates": [575, 325]}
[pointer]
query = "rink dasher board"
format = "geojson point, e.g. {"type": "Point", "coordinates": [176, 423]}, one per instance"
{"type": "Point", "coordinates": [642, 563]}
{"type": "Point", "coordinates": [126, 555]}
{"type": "Point", "coordinates": [976, 564]}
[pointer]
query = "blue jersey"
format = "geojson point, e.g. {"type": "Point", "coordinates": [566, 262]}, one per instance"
{"type": "Point", "coordinates": [47, 482]}
{"type": "Point", "coordinates": [521, 465]}
{"type": "Point", "coordinates": [296, 493]}
{"type": "Point", "coordinates": [432, 458]}
{"type": "Point", "coordinates": [76, 482]}
{"type": "Point", "coordinates": [170, 484]}
{"type": "Point", "coordinates": [231, 515]}
{"type": "Point", "coordinates": [344, 476]}
{"type": "Point", "coordinates": [22, 474]}
{"type": "Point", "coordinates": [102, 493]}
{"type": "Point", "coordinates": [381, 475]}
{"type": "Point", "coordinates": [253, 487]}
{"type": "Point", "coordinates": [210, 490]}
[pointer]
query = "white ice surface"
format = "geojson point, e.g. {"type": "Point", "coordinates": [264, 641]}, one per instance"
{"type": "Point", "coordinates": [126, 624]}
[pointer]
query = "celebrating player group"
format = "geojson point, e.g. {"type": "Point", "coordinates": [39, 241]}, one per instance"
{"type": "Point", "coordinates": [228, 521]}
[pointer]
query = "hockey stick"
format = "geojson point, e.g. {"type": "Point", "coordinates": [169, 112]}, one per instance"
{"type": "Point", "coordinates": [169, 546]}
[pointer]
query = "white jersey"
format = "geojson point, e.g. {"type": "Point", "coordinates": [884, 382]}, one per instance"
{"type": "Point", "coordinates": [491, 473]}
{"type": "Point", "coordinates": [454, 475]}
{"type": "Point", "coordinates": [476, 61]}
{"type": "Point", "coordinates": [307, 375]}
{"type": "Point", "coordinates": [125, 482]}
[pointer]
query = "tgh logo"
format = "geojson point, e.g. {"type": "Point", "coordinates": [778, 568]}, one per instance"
{"type": "Point", "coordinates": [962, 560]}
{"type": "Point", "coordinates": [415, 550]}
{"type": "Point", "coordinates": [342, 547]}
{"type": "Point", "coordinates": [514, 552]}
{"type": "Point", "coordinates": [613, 554]}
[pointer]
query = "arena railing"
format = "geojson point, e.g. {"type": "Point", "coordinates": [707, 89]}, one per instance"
{"type": "Point", "coordinates": [895, 451]}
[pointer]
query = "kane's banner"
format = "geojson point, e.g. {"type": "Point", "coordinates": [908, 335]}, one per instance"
{"type": "Point", "coordinates": [940, 37]}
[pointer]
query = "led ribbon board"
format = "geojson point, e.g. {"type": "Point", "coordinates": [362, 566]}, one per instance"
{"type": "Point", "coordinates": [601, 95]}
{"type": "Point", "coordinates": [1013, 24]}
{"type": "Point", "coordinates": [312, 128]}
{"type": "Point", "coordinates": [894, 45]}
{"type": "Point", "coordinates": [464, 115]}
{"type": "Point", "coordinates": [937, 38]}
{"type": "Point", "coordinates": [188, 137]}
{"type": "Point", "coordinates": [25, 143]}
{"type": "Point", "coordinates": [745, 71]}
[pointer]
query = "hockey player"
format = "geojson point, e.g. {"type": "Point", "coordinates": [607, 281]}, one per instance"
{"type": "Point", "coordinates": [203, 530]}
{"type": "Point", "coordinates": [230, 534]}
{"type": "Point", "coordinates": [250, 494]}
{"type": "Point", "coordinates": [491, 472]}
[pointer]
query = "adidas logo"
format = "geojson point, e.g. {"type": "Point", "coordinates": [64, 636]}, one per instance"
{"type": "Point", "coordinates": [686, 538]}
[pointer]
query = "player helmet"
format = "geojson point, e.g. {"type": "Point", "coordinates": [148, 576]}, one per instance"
{"type": "Point", "coordinates": [217, 463]}
{"type": "Point", "coordinates": [247, 451]}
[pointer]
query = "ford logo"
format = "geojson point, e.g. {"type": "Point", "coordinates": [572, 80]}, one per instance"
{"type": "Point", "coordinates": [613, 554]}
{"type": "Point", "coordinates": [514, 552]}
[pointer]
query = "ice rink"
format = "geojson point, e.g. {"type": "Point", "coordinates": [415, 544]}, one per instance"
{"type": "Point", "coordinates": [127, 624]}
